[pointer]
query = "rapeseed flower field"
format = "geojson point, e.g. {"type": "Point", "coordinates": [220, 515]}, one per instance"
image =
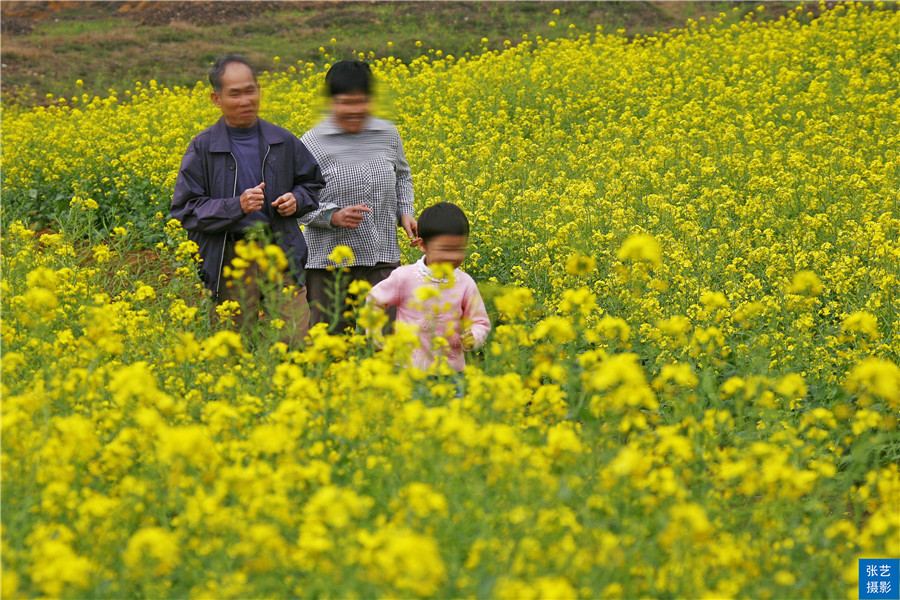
{"type": "Point", "coordinates": [690, 245]}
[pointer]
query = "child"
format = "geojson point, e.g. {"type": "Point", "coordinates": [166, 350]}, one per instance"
{"type": "Point", "coordinates": [434, 295]}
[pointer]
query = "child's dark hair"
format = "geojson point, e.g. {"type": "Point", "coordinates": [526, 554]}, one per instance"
{"type": "Point", "coordinates": [443, 218]}
{"type": "Point", "coordinates": [348, 77]}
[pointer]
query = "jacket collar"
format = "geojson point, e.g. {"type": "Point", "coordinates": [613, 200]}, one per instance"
{"type": "Point", "coordinates": [220, 142]}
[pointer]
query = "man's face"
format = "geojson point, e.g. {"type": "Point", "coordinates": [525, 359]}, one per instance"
{"type": "Point", "coordinates": [350, 110]}
{"type": "Point", "coordinates": [239, 97]}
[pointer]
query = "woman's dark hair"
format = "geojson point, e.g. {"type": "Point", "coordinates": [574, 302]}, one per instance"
{"type": "Point", "coordinates": [348, 77]}
{"type": "Point", "coordinates": [218, 69]}
{"type": "Point", "coordinates": [443, 218]}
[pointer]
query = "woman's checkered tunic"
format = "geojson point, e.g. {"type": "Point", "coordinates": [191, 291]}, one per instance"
{"type": "Point", "coordinates": [368, 168]}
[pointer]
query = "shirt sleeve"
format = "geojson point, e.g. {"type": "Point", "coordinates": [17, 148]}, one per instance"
{"type": "Point", "coordinates": [308, 180]}
{"type": "Point", "coordinates": [474, 312]}
{"type": "Point", "coordinates": [404, 183]}
{"type": "Point", "coordinates": [387, 292]}
{"type": "Point", "coordinates": [320, 216]}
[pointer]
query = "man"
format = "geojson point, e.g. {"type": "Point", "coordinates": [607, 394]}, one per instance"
{"type": "Point", "coordinates": [243, 173]}
{"type": "Point", "coordinates": [369, 193]}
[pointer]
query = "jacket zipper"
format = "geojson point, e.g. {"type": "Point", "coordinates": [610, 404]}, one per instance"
{"type": "Point", "coordinates": [263, 166]}
{"type": "Point", "coordinates": [225, 240]}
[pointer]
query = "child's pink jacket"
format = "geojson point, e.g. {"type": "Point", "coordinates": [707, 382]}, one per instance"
{"type": "Point", "coordinates": [441, 316]}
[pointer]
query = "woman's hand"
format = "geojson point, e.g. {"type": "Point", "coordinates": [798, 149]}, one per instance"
{"type": "Point", "coordinates": [411, 227]}
{"type": "Point", "coordinates": [350, 216]}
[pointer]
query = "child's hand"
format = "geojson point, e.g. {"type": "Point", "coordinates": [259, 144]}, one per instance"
{"type": "Point", "coordinates": [468, 340]}
{"type": "Point", "coordinates": [377, 341]}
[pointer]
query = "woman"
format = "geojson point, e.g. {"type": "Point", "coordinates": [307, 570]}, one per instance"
{"type": "Point", "coordinates": [368, 192]}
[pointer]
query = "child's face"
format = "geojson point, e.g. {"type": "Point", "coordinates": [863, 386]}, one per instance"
{"type": "Point", "coordinates": [445, 248]}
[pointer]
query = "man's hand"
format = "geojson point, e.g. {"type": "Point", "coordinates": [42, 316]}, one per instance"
{"type": "Point", "coordinates": [411, 227]}
{"type": "Point", "coordinates": [252, 199]}
{"type": "Point", "coordinates": [286, 204]}
{"type": "Point", "coordinates": [350, 216]}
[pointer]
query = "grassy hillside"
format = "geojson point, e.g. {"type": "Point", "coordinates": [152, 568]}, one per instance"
{"type": "Point", "coordinates": [48, 46]}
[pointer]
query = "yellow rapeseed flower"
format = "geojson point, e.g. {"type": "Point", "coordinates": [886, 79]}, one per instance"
{"type": "Point", "coordinates": [152, 550]}
{"type": "Point", "coordinates": [641, 248]}
{"type": "Point", "coordinates": [341, 256]}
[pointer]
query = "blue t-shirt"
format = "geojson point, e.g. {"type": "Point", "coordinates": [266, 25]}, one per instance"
{"type": "Point", "coordinates": [249, 153]}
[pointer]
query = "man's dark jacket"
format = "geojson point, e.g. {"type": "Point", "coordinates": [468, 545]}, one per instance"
{"type": "Point", "coordinates": [207, 202]}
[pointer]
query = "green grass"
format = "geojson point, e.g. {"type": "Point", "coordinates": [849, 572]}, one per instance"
{"type": "Point", "coordinates": [110, 49]}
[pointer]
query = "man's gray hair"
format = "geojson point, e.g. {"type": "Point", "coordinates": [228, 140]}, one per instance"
{"type": "Point", "coordinates": [218, 69]}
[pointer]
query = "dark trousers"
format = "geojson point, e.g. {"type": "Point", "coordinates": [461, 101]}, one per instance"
{"type": "Point", "coordinates": [327, 292]}
{"type": "Point", "coordinates": [288, 302]}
